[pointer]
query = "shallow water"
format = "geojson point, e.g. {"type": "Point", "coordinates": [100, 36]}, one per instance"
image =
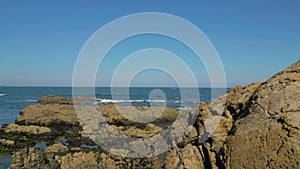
{"type": "Point", "coordinates": [5, 160]}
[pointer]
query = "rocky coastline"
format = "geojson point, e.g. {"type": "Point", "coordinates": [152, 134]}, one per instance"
{"type": "Point", "coordinates": [257, 126]}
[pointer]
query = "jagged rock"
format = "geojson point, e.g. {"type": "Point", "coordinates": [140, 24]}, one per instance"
{"type": "Point", "coordinates": [217, 118]}
{"type": "Point", "coordinates": [269, 128]}
{"type": "Point", "coordinates": [86, 160]}
{"type": "Point", "coordinates": [237, 98]}
{"type": "Point", "coordinates": [188, 157]}
{"type": "Point", "coordinates": [33, 130]}
{"type": "Point", "coordinates": [107, 162]}
{"type": "Point", "coordinates": [32, 158]}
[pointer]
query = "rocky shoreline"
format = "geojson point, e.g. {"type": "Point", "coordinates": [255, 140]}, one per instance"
{"type": "Point", "coordinates": [257, 126]}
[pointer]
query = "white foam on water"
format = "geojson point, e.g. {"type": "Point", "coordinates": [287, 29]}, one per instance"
{"type": "Point", "coordinates": [2, 94]}
{"type": "Point", "coordinates": [129, 101]}
{"type": "Point", "coordinates": [185, 108]}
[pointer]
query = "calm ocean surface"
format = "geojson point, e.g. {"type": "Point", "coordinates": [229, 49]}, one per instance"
{"type": "Point", "coordinates": [13, 99]}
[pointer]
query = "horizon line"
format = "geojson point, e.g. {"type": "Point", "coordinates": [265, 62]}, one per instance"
{"type": "Point", "coordinates": [115, 86]}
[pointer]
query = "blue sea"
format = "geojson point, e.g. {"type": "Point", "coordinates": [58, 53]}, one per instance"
{"type": "Point", "coordinates": [13, 99]}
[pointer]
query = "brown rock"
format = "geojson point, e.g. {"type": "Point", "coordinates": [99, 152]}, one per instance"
{"type": "Point", "coordinates": [8, 143]}
{"type": "Point", "coordinates": [56, 148]}
{"type": "Point", "coordinates": [53, 99]}
{"type": "Point", "coordinates": [32, 158]}
{"type": "Point", "coordinates": [78, 160]}
{"type": "Point", "coordinates": [269, 128]}
{"type": "Point", "coordinates": [188, 157]}
{"type": "Point", "coordinates": [50, 115]}
{"type": "Point", "coordinates": [34, 130]}
{"type": "Point", "coordinates": [149, 131]}
{"type": "Point", "coordinates": [127, 115]}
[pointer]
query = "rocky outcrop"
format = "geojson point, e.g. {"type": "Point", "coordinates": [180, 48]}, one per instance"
{"type": "Point", "coordinates": [137, 114]}
{"type": "Point", "coordinates": [257, 126]}
{"type": "Point", "coordinates": [268, 129]}
{"type": "Point", "coordinates": [50, 115]}
{"type": "Point", "coordinates": [30, 130]}
{"type": "Point", "coordinates": [33, 158]}
{"type": "Point", "coordinates": [53, 99]}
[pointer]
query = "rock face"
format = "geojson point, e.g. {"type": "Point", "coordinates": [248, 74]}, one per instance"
{"type": "Point", "coordinates": [269, 128]}
{"type": "Point", "coordinates": [257, 126]}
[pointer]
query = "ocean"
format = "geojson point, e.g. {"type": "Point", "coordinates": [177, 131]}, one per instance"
{"type": "Point", "coordinates": [13, 99]}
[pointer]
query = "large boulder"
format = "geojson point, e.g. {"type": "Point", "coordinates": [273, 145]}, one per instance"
{"type": "Point", "coordinates": [267, 132]}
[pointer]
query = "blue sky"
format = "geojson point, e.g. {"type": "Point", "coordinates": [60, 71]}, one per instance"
{"type": "Point", "coordinates": [40, 40]}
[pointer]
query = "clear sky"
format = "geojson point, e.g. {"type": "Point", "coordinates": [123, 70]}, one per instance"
{"type": "Point", "coordinates": [40, 40]}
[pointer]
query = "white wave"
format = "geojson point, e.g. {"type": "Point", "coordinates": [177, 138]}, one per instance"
{"type": "Point", "coordinates": [156, 101]}
{"type": "Point", "coordinates": [2, 94]}
{"type": "Point", "coordinates": [185, 108]}
{"type": "Point", "coordinates": [129, 101]}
